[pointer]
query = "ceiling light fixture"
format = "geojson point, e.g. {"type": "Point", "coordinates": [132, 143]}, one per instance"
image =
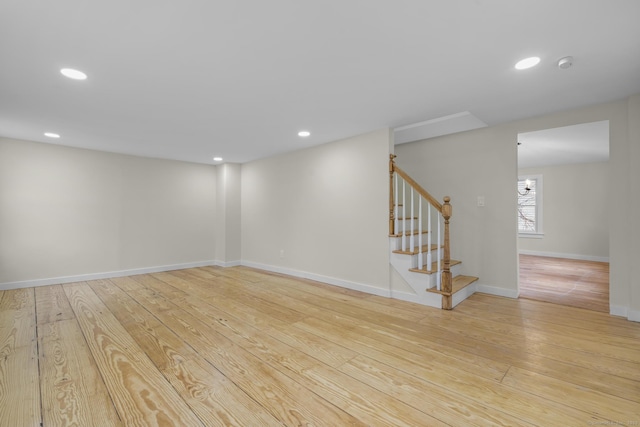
{"type": "Point", "coordinates": [527, 63]}
{"type": "Point", "coordinates": [51, 135]}
{"type": "Point", "coordinates": [304, 133]}
{"type": "Point", "coordinates": [73, 74]}
{"type": "Point", "coordinates": [527, 188]}
{"type": "Point", "coordinates": [217, 159]}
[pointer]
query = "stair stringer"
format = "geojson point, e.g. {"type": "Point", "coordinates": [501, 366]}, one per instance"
{"type": "Point", "coordinates": [429, 299]}
{"type": "Point", "coordinates": [420, 282]}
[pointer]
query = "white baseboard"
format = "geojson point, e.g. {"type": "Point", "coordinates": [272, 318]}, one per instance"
{"type": "Point", "coordinates": [228, 263]}
{"type": "Point", "coordinates": [624, 312]}
{"type": "Point", "coordinates": [105, 275]}
{"type": "Point", "coordinates": [563, 255]}
{"type": "Point", "coordinates": [383, 292]}
{"type": "Point", "coordinates": [618, 310]}
{"type": "Point", "coordinates": [634, 315]}
{"type": "Point", "coordinates": [494, 290]}
{"type": "Point", "coordinates": [404, 296]}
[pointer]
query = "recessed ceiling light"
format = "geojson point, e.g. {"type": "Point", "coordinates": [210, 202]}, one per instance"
{"type": "Point", "coordinates": [73, 74]}
{"type": "Point", "coordinates": [217, 159]}
{"type": "Point", "coordinates": [527, 63]}
{"type": "Point", "coordinates": [51, 135]}
{"type": "Point", "coordinates": [304, 133]}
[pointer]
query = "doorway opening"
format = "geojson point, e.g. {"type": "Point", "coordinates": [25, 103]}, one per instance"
{"type": "Point", "coordinates": [563, 239]}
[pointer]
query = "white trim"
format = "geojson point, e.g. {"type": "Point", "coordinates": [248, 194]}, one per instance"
{"type": "Point", "coordinates": [463, 294]}
{"type": "Point", "coordinates": [624, 312]}
{"type": "Point", "coordinates": [634, 315]}
{"type": "Point", "coordinates": [405, 296]}
{"type": "Point", "coordinates": [432, 121]}
{"type": "Point", "coordinates": [228, 263]}
{"type": "Point", "coordinates": [568, 256]}
{"type": "Point", "coordinates": [618, 310]}
{"type": "Point", "coordinates": [525, 235]}
{"type": "Point", "coordinates": [105, 275]}
{"type": "Point", "coordinates": [383, 292]}
{"type": "Point", "coordinates": [497, 291]}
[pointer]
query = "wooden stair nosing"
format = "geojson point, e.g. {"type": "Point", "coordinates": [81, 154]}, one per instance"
{"type": "Point", "coordinates": [459, 283]}
{"type": "Point", "coordinates": [434, 267]}
{"type": "Point", "coordinates": [416, 249]}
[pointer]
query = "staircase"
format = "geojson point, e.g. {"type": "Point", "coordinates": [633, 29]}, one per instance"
{"type": "Point", "coordinates": [419, 243]}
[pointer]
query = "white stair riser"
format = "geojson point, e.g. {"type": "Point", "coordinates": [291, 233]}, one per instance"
{"type": "Point", "coordinates": [463, 294]}
{"type": "Point", "coordinates": [418, 281]}
{"type": "Point", "coordinates": [396, 244]}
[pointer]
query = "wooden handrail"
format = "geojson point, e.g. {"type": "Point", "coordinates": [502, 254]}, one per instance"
{"type": "Point", "coordinates": [424, 193]}
{"type": "Point", "coordinates": [446, 280]}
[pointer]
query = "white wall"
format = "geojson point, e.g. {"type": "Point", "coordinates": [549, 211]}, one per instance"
{"type": "Point", "coordinates": [486, 165]}
{"type": "Point", "coordinates": [228, 208]}
{"type": "Point", "coordinates": [575, 215]}
{"type": "Point", "coordinates": [464, 166]}
{"type": "Point", "coordinates": [633, 160]}
{"type": "Point", "coordinates": [69, 212]}
{"type": "Point", "coordinates": [326, 207]}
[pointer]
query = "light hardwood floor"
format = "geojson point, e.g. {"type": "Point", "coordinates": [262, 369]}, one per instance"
{"type": "Point", "coordinates": [571, 282]}
{"type": "Point", "coordinates": [237, 346]}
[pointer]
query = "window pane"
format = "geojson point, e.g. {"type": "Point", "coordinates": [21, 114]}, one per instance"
{"type": "Point", "coordinates": [527, 206]}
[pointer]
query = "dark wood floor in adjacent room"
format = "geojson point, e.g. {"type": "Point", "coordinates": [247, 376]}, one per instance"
{"type": "Point", "coordinates": [569, 282]}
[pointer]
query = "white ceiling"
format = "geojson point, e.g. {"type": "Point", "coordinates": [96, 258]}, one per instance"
{"type": "Point", "coordinates": [192, 79]}
{"type": "Point", "coordinates": [583, 143]}
{"type": "Point", "coordinates": [446, 125]}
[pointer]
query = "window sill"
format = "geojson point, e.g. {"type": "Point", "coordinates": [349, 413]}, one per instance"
{"type": "Point", "coordinates": [531, 235]}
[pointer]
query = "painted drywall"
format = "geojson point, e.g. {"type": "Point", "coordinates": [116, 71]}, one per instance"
{"type": "Point", "coordinates": [464, 166]}
{"type": "Point", "coordinates": [72, 212]}
{"type": "Point", "coordinates": [228, 208]}
{"type": "Point", "coordinates": [633, 108]}
{"type": "Point", "coordinates": [483, 163]}
{"type": "Point", "coordinates": [575, 217]}
{"type": "Point", "coordinates": [621, 196]}
{"type": "Point", "coordinates": [321, 212]}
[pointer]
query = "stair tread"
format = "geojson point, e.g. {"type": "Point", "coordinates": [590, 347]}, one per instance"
{"type": "Point", "coordinates": [459, 283]}
{"type": "Point", "coordinates": [434, 267]}
{"type": "Point", "coordinates": [416, 250]}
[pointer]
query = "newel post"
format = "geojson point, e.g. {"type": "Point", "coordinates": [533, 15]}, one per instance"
{"type": "Point", "coordinates": [391, 195]}
{"type": "Point", "coordinates": [447, 281]}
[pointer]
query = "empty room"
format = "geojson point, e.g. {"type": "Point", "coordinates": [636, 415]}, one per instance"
{"type": "Point", "coordinates": [311, 213]}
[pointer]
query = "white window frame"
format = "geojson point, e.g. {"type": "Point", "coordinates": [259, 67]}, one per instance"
{"type": "Point", "coordinates": [538, 233]}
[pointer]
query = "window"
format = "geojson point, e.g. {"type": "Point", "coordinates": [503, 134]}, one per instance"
{"type": "Point", "coordinates": [530, 206]}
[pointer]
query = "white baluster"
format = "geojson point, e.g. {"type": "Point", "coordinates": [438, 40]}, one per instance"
{"type": "Point", "coordinates": [439, 276]}
{"type": "Point", "coordinates": [420, 259]}
{"type": "Point", "coordinates": [412, 242]}
{"type": "Point", "coordinates": [404, 220]}
{"type": "Point", "coordinates": [397, 207]}
{"type": "Point", "coordinates": [429, 233]}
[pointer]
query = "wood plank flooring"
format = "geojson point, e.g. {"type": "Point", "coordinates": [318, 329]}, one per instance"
{"type": "Point", "coordinates": [242, 347]}
{"type": "Point", "coordinates": [575, 283]}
